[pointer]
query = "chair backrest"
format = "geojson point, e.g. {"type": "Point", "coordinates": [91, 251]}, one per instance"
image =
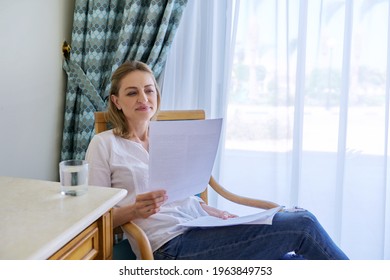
{"type": "Point", "coordinates": [167, 115]}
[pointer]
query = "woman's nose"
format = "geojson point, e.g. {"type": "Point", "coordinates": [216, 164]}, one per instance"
{"type": "Point", "coordinates": [142, 98]}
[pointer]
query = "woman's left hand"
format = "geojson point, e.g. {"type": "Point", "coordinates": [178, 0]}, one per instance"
{"type": "Point", "coordinates": [216, 212]}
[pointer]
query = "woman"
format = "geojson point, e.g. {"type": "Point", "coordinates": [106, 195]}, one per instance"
{"type": "Point", "coordinates": [119, 158]}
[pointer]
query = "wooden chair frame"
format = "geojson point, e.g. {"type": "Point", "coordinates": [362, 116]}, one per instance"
{"type": "Point", "coordinates": [137, 233]}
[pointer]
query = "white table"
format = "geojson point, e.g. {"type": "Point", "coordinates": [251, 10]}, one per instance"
{"type": "Point", "coordinates": [37, 222]}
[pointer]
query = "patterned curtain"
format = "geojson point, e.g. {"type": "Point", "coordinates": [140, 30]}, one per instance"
{"type": "Point", "coordinates": [105, 34]}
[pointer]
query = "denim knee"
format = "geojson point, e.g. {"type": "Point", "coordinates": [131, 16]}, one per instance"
{"type": "Point", "coordinates": [305, 221]}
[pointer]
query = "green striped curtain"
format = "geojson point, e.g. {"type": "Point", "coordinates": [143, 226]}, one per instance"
{"type": "Point", "coordinates": [105, 34]}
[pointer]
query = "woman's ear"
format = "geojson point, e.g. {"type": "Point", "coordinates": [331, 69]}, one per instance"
{"type": "Point", "coordinates": [114, 99]}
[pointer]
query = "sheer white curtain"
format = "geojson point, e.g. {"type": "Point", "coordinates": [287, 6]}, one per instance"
{"type": "Point", "coordinates": [199, 62]}
{"type": "Point", "coordinates": [303, 87]}
{"type": "Point", "coordinates": [198, 67]}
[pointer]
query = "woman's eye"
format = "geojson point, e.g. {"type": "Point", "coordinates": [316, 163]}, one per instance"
{"type": "Point", "coordinates": [131, 93]}
{"type": "Point", "coordinates": [149, 91]}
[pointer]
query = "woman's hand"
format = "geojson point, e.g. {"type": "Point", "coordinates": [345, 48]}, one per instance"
{"type": "Point", "coordinates": [149, 203]}
{"type": "Point", "coordinates": [216, 212]}
{"type": "Point", "coordinates": [145, 205]}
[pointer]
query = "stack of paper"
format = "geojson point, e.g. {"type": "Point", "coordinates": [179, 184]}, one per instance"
{"type": "Point", "coordinates": [182, 155]}
{"type": "Point", "coordinates": [181, 159]}
{"type": "Point", "coordinates": [264, 217]}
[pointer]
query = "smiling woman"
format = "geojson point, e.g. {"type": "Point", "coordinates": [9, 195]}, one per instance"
{"type": "Point", "coordinates": [119, 158]}
{"type": "Point", "coordinates": [132, 97]}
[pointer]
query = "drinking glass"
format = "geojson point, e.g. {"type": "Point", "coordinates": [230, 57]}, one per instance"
{"type": "Point", "coordinates": [74, 177]}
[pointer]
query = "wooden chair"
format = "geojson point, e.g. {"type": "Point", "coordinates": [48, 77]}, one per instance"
{"type": "Point", "coordinates": [137, 232]}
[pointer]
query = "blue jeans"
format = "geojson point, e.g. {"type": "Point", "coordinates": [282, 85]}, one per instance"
{"type": "Point", "coordinates": [299, 232]}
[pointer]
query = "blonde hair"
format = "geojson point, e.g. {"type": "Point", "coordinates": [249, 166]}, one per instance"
{"type": "Point", "coordinates": [115, 116]}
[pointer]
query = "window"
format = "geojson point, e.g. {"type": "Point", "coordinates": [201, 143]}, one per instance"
{"type": "Point", "coordinates": [306, 107]}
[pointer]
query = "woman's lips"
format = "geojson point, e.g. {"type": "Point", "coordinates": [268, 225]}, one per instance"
{"type": "Point", "coordinates": [143, 108]}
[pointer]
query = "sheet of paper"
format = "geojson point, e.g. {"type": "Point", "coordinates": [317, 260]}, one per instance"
{"type": "Point", "coordinates": [182, 155]}
{"type": "Point", "coordinates": [264, 217]}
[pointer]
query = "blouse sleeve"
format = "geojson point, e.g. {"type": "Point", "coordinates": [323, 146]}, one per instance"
{"type": "Point", "coordinates": [97, 156]}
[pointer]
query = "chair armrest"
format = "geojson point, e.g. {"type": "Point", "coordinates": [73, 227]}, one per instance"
{"type": "Point", "coordinates": [143, 243]}
{"type": "Point", "coordinates": [257, 203]}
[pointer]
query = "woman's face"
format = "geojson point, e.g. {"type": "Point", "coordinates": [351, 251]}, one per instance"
{"type": "Point", "coordinates": [137, 96]}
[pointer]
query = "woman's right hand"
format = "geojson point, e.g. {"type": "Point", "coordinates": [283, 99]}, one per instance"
{"type": "Point", "coordinates": [149, 203]}
{"type": "Point", "coordinates": [145, 205]}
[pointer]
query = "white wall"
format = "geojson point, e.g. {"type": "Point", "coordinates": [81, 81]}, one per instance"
{"type": "Point", "coordinates": [32, 85]}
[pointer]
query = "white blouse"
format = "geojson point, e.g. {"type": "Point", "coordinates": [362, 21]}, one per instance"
{"type": "Point", "coordinates": [120, 163]}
